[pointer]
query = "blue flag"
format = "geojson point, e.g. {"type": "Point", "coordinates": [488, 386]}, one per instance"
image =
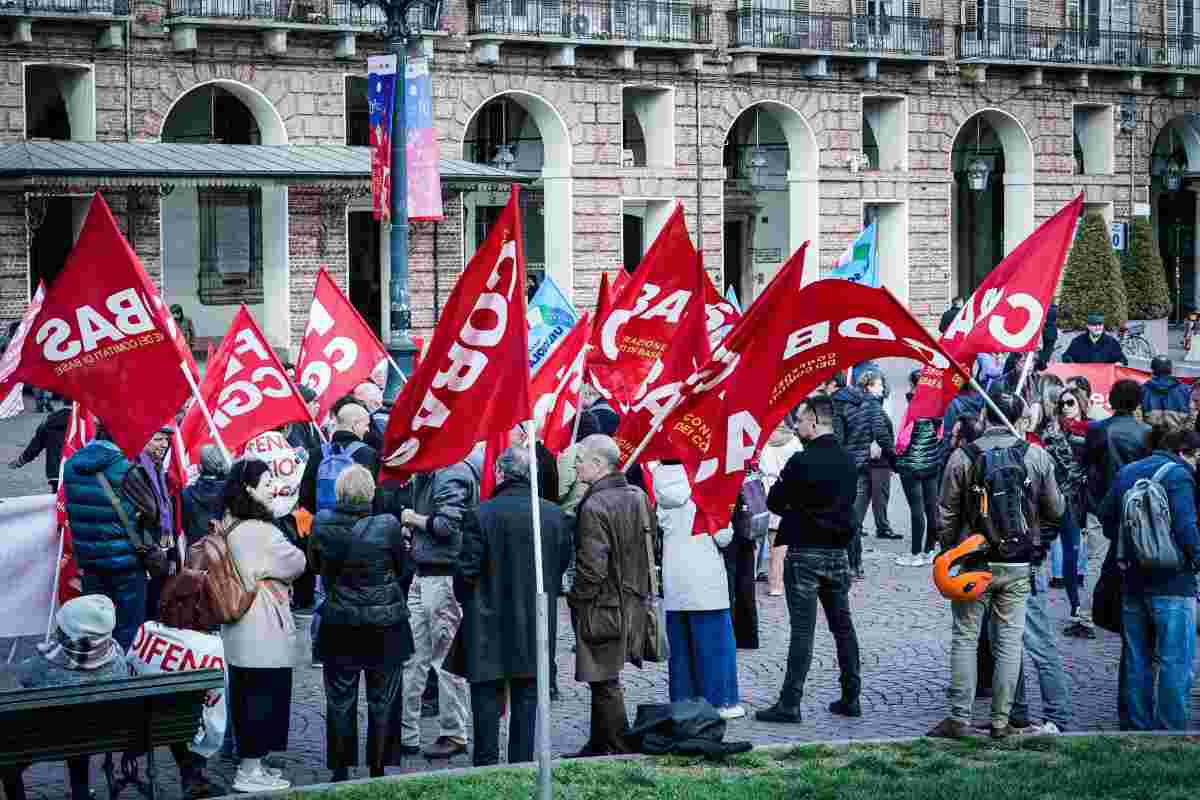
{"type": "Point", "coordinates": [860, 262]}
{"type": "Point", "coordinates": [732, 298]}
{"type": "Point", "coordinates": [551, 317]}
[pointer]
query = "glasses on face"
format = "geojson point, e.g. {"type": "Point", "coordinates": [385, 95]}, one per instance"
{"type": "Point", "coordinates": [1069, 404]}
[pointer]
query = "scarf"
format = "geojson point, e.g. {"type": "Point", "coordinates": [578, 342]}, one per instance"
{"type": "Point", "coordinates": [158, 483]}
{"type": "Point", "coordinates": [85, 654]}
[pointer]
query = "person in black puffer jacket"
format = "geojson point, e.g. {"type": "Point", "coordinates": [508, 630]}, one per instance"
{"type": "Point", "coordinates": [49, 436]}
{"type": "Point", "coordinates": [863, 428]}
{"type": "Point", "coordinates": [920, 467]}
{"type": "Point", "coordinates": [202, 498]}
{"type": "Point", "coordinates": [363, 561]}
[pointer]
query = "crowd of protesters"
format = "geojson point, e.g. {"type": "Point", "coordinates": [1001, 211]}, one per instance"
{"type": "Point", "coordinates": [426, 588]}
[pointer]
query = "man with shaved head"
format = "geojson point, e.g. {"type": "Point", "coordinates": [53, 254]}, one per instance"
{"type": "Point", "coordinates": [351, 423]}
{"type": "Point", "coordinates": [612, 586]}
{"type": "Point", "coordinates": [370, 397]}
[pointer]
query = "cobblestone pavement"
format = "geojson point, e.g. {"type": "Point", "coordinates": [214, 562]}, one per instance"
{"type": "Point", "coordinates": [903, 627]}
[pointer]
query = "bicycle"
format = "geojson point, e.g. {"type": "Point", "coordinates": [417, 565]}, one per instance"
{"type": "Point", "coordinates": [1133, 343]}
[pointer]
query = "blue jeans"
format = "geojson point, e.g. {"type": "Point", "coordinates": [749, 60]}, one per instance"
{"type": "Point", "coordinates": [1158, 633]}
{"type": "Point", "coordinates": [703, 660]}
{"type": "Point", "coordinates": [127, 590]}
{"type": "Point", "coordinates": [1040, 644]}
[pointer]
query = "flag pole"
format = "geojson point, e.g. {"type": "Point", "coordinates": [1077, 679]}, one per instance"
{"type": "Point", "coordinates": [395, 366]}
{"type": "Point", "coordinates": [541, 605]}
{"type": "Point", "coordinates": [212, 426]}
{"type": "Point", "coordinates": [62, 539]}
{"type": "Point", "coordinates": [654, 428]}
{"type": "Point", "coordinates": [1029, 359]}
{"type": "Point", "coordinates": [1008, 423]}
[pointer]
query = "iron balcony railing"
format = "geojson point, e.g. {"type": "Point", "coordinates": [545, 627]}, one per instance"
{"type": "Point", "coordinates": [793, 30]}
{"type": "Point", "coordinates": [339, 13]}
{"type": "Point", "coordinates": [623, 20]}
{"type": "Point", "coordinates": [1077, 46]}
{"type": "Point", "coordinates": [81, 7]}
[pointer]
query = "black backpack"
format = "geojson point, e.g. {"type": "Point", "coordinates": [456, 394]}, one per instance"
{"type": "Point", "coordinates": [999, 502]}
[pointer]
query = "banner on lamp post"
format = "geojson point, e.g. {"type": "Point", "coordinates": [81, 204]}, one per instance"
{"type": "Point", "coordinates": [381, 98]}
{"type": "Point", "coordinates": [421, 147]}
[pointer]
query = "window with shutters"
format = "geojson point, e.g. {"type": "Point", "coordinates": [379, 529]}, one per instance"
{"type": "Point", "coordinates": [1180, 24]}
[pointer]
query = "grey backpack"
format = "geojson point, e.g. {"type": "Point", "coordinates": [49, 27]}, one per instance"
{"type": "Point", "coordinates": [1146, 541]}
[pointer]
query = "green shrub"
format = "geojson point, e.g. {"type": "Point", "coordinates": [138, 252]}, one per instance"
{"type": "Point", "coordinates": [1091, 281]}
{"type": "Point", "coordinates": [1145, 279]}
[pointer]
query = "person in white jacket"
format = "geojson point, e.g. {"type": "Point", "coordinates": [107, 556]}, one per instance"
{"type": "Point", "coordinates": [782, 445]}
{"type": "Point", "coordinates": [703, 662]}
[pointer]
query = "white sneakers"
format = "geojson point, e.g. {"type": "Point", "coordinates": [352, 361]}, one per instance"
{"type": "Point", "coordinates": [731, 712]}
{"type": "Point", "coordinates": [1047, 728]}
{"type": "Point", "coordinates": [259, 780]}
{"type": "Point", "coordinates": [919, 560]}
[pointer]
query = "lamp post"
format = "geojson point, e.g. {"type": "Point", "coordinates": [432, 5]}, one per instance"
{"type": "Point", "coordinates": [396, 34]}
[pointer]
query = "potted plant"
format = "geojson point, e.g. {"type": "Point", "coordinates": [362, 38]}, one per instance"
{"type": "Point", "coordinates": [1092, 281]}
{"type": "Point", "coordinates": [1146, 283]}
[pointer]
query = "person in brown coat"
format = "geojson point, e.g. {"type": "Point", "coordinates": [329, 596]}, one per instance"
{"type": "Point", "coordinates": [612, 587]}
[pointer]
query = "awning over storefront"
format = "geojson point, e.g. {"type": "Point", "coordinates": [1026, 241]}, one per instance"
{"type": "Point", "coordinates": [131, 164]}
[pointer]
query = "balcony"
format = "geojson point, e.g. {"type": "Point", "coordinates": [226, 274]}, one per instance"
{"type": "Point", "coordinates": [65, 8]}
{"type": "Point", "coordinates": [1130, 51]}
{"type": "Point", "coordinates": [335, 13]}
{"type": "Point", "coordinates": [624, 25]}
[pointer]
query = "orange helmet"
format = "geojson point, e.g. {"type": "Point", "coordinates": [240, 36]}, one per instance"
{"type": "Point", "coordinates": [960, 573]}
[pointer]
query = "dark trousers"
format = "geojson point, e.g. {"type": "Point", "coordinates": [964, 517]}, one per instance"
{"type": "Point", "coordinates": [127, 590]}
{"type": "Point", "coordinates": [1071, 537]}
{"type": "Point", "coordinates": [740, 570]}
{"type": "Point", "coordinates": [922, 494]}
{"type": "Point", "coordinates": [809, 576]}
{"type": "Point", "coordinates": [485, 719]}
{"type": "Point", "coordinates": [341, 718]}
{"type": "Point", "coordinates": [78, 768]}
{"type": "Point", "coordinates": [874, 488]}
{"type": "Point", "coordinates": [609, 722]}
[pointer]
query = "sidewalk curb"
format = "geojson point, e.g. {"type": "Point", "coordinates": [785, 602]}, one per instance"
{"type": "Point", "coordinates": [301, 791]}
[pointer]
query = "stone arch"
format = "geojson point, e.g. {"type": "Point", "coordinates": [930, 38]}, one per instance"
{"type": "Point", "coordinates": [802, 193]}
{"type": "Point", "coordinates": [1016, 182]}
{"type": "Point", "coordinates": [270, 123]}
{"type": "Point", "coordinates": [1175, 220]}
{"type": "Point", "coordinates": [555, 177]}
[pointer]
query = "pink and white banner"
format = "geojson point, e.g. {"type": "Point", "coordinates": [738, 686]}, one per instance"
{"type": "Point", "coordinates": [421, 147]}
{"type": "Point", "coordinates": [28, 551]}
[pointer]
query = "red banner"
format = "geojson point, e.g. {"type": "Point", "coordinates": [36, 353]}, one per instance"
{"type": "Point", "coordinates": [1006, 312]}
{"type": "Point", "coordinates": [339, 350]}
{"type": "Point", "coordinates": [688, 351]}
{"type": "Point", "coordinates": [788, 343]}
{"type": "Point", "coordinates": [555, 388]}
{"type": "Point", "coordinates": [245, 390]}
{"type": "Point", "coordinates": [638, 327]}
{"type": "Point", "coordinates": [381, 98]}
{"type": "Point", "coordinates": [473, 381]}
{"type": "Point", "coordinates": [11, 390]}
{"type": "Point", "coordinates": [80, 431]}
{"type": "Point", "coordinates": [103, 332]}
{"type": "Point", "coordinates": [1100, 376]}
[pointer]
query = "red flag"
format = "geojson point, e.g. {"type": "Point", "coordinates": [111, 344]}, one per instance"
{"type": "Point", "coordinates": [339, 350]}
{"type": "Point", "coordinates": [556, 385]}
{"type": "Point", "coordinates": [604, 297]}
{"type": "Point", "coordinates": [688, 351]}
{"type": "Point", "coordinates": [1005, 314]}
{"type": "Point", "coordinates": [245, 389]}
{"type": "Point", "coordinates": [103, 333]}
{"type": "Point", "coordinates": [208, 351]}
{"type": "Point", "coordinates": [788, 342]}
{"type": "Point", "coordinates": [720, 312]}
{"type": "Point", "coordinates": [495, 445]}
{"type": "Point", "coordinates": [11, 390]}
{"type": "Point", "coordinates": [80, 431]}
{"type": "Point", "coordinates": [637, 329]}
{"type": "Point", "coordinates": [473, 380]}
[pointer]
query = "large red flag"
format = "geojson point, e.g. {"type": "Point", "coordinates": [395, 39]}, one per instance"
{"type": "Point", "coordinates": [339, 350]}
{"type": "Point", "coordinates": [245, 390]}
{"type": "Point", "coordinates": [638, 327]}
{"type": "Point", "coordinates": [688, 351]}
{"type": "Point", "coordinates": [788, 342]}
{"type": "Point", "coordinates": [11, 390]}
{"type": "Point", "coordinates": [80, 431]}
{"type": "Point", "coordinates": [103, 333]}
{"type": "Point", "coordinates": [1005, 314]}
{"type": "Point", "coordinates": [556, 385]}
{"type": "Point", "coordinates": [473, 381]}
{"type": "Point", "coordinates": [721, 313]}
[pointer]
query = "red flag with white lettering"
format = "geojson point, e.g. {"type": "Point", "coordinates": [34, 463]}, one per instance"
{"type": "Point", "coordinates": [339, 350]}
{"type": "Point", "coordinates": [103, 332]}
{"type": "Point", "coordinates": [688, 351]}
{"type": "Point", "coordinates": [788, 342]}
{"type": "Point", "coordinates": [636, 330]}
{"type": "Point", "coordinates": [556, 385]}
{"type": "Point", "coordinates": [11, 390]}
{"type": "Point", "coordinates": [473, 380]}
{"type": "Point", "coordinates": [245, 390]}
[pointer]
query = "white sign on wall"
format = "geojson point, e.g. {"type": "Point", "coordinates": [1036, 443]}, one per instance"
{"type": "Point", "coordinates": [1117, 234]}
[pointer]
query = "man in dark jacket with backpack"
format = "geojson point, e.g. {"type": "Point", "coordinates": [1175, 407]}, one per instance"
{"type": "Point", "coordinates": [1158, 604]}
{"type": "Point", "coordinates": [1165, 399]}
{"type": "Point", "coordinates": [977, 478]}
{"type": "Point", "coordinates": [347, 440]}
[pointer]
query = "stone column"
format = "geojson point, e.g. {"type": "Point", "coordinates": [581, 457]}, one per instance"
{"type": "Point", "coordinates": [804, 213]}
{"type": "Point", "coordinates": [559, 220]}
{"type": "Point", "coordinates": [1018, 209]}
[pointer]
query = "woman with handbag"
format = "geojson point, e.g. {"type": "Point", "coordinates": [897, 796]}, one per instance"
{"type": "Point", "coordinates": [364, 623]}
{"type": "Point", "coordinates": [260, 646]}
{"type": "Point", "coordinates": [703, 659]}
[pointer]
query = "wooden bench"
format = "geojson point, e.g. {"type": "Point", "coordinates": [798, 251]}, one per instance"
{"type": "Point", "coordinates": [126, 716]}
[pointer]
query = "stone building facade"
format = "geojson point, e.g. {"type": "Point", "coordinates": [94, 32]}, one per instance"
{"type": "Point", "coordinates": [773, 122]}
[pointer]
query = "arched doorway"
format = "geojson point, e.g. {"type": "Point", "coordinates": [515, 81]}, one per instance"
{"type": "Point", "coordinates": [992, 195]}
{"type": "Point", "coordinates": [522, 132]}
{"type": "Point", "coordinates": [771, 199]}
{"type": "Point", "coordinates": [1175, 156]}
{"type": "Point", "coordinates": [223, 246]}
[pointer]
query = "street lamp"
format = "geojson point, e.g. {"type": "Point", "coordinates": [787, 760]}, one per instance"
{"type": "Point", "coordinates": [977, 174]}
{"type": "Point", "coordinates": [396, 34]}
{"type": "Point", "coordinates": [1173, 177]}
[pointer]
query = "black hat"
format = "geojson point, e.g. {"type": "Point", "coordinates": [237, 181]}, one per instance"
{"type": "Point", "coordinates": [1160, 365]}
{"type": "Point", "coordinates": [1095, 319]}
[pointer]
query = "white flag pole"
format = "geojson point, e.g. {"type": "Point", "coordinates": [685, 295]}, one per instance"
{"type": "Point", "coordinates": [654, 428]}
{"type": "Point", "coordinates": [542, 607]}
{"type": "Point", "coordinates": [212, 426]}
{"type": "Point", "coordinates": [1008, 423]}
{"type": "Point", "coordinates": [73, 430]}
{"type": "Point", "coordinates": [1029, 359]}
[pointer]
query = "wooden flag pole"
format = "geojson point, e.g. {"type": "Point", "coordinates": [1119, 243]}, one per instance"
{"type": "Point", "coordinates": [212, 425]}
